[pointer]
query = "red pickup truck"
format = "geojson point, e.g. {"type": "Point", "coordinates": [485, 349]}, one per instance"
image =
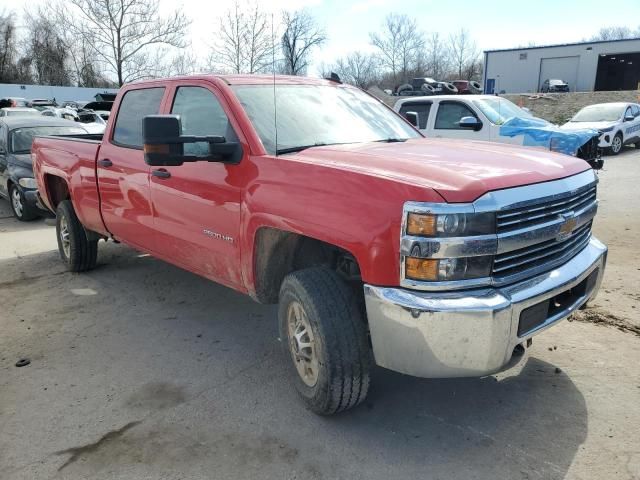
{"type": "Point", "coordinates": [434, 258]}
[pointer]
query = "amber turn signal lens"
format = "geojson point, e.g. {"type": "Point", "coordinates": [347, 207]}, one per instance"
{"type": "Point", "coordinates": [156, 148]}
{"type": "Point", "coordinates": [421, 268]}
{"type": "Point", "coordinates": [418, 224]}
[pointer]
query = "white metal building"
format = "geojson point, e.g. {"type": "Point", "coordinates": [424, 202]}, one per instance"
{"type": "Point", "coordinates": [588, 66]}
{"type": "Point", "coordinates": [50, 92]}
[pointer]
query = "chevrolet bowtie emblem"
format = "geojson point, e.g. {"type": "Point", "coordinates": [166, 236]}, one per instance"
{"type": "Point", "coordinates": [567, 226]}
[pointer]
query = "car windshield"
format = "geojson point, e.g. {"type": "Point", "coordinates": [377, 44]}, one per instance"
{"type": "Point", "coordinates": [21, 138]}
{"type": "Point", "coordinates": [556, 82]}
{"type": "Point", "coordinates": [311, 115]}
{"type": "Point", "coordinates": [599, 113]}
{"type": "Point", "coordinates": [499, 110]}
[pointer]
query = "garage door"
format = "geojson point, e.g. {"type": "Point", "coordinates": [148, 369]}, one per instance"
{"type": "Point", "coordinates": [564, 68]}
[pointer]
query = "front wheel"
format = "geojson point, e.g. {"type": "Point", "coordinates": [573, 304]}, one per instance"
{"type": "Point", "coordinates": [325, 338]}
{"type": "Point", "coordinates": [21, 210]}
{"type": "Point", "coordinates": [76, 250]}
{"type": "Point", "coordinates": [616, 144]}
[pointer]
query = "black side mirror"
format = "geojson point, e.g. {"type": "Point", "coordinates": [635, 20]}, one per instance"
{"type": "Point", "coordinates": [412, 118]}
{"type": "Point", "coordinates": [164, 144]}
{"type": "Point", "coordinates": [629, 118]}
{"type": "Point", "coordinates": [470, 122]}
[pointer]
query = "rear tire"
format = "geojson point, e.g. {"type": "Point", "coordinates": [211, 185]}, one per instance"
{"type": "Point", "coordinates": [76, 250]}
{"type": "Point", "coordinates": [616, 144]}
{"type": "Point", "coordinates": [19, 207]}
{"type": "Point", "coordinates": [325, 339]}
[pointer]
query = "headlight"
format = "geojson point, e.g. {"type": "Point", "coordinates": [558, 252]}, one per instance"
{"type": "Point", "coordinates": [27, 182]}
{"type": "Point", "coordinates": [450, 224]}
{"type": "Point", "coordinates": [447, 269]}
{"type": "Point", "coordinates": [608, 129]}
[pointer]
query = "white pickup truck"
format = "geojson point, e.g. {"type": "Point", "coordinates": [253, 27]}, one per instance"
{"type": "Point", "coordinates": [495, 119]}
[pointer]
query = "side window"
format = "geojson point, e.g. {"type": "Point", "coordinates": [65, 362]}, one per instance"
{"type": "Point", "coordinates": [635, 110]}
{"type": "Point", "coordinates": [627, 112]}
{"type": "Point", "coordinates": [450, 113]}
{"type": "Point", "coordinates": [3, 136]}
{"type": "Point", "coordinates": [135, 105]}
{"type": "Point", "coordinates": [201, 114]}
{"type": "Point", "coordinates": [421, 108]}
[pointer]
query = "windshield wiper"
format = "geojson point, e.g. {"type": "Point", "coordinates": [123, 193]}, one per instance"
{"type": "Point", "coordinates": [299, 148]}
{"type": "Point", "coordinates": [392, 140]}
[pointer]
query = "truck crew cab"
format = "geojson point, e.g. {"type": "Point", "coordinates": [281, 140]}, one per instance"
{"type": "Point", "coordinates": [434, 258]}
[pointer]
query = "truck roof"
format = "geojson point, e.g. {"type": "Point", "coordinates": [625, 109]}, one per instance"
{"type": "Point", "coordinates": [243, 79]}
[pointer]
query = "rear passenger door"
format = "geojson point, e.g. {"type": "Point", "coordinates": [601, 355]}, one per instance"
{"type": "Point", "coordinates": [197, 204]}
{"type": "Point", "coordinates": [632, 129]}
{"type": "Point", "coordinates": [448, 116]}
{"type": "Point", "coordinates": [123, 175]}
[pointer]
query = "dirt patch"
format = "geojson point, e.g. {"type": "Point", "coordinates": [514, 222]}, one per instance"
{"type": "Point", "coordinates": [591, 315]}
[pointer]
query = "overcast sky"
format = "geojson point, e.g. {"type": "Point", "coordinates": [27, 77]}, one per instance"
{"type": "Point", "coordinates": [493, 24]}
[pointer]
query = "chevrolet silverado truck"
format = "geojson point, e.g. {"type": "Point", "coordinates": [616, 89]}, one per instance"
{"type": "Point", "coordinates": [430, 257]}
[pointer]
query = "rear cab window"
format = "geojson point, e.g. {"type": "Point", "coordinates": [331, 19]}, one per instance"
{"type": "Point", "coordinates": [135, 105]}
{"type": "Point", "coordinates": [421, 108]}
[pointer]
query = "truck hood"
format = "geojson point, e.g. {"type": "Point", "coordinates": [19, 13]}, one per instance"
{"type": "Point", "coordinates": [594, 125]}
{"type": "Point", "coordinates": [20, 160]}
{"type": "Point", "coordinates": [460, 171]}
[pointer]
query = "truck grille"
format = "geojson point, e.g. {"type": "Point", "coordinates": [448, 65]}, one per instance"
{"type": "Point", "coordinates": [549, 254]}
{"type": "Point", "coordinates": [537, 214]}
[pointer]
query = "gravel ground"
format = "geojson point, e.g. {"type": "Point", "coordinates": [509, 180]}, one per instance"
{"type": "Point", "coordinates": [140, 370]}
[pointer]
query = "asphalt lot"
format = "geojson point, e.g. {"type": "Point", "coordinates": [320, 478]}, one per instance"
{"type": "Point", "coordinates": [140, 370]}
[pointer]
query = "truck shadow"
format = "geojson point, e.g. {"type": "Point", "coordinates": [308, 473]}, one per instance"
{"type": "Point", "coordinates": [147, 321]}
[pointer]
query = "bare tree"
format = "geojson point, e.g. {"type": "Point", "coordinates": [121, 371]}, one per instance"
{"type": "Point", "coordinates": [244, 41]}
{"type": "Point", "coordinates": [47, 52]}
{"type": "Point", "coordinates": [357, 68]}
{"type": "Point", "coordinates": [301, 35]}
{"type": "Point", "coordinates": [128, 36]}
{"type": "Point", "coordinates": [8, 48]}
{"type": "Point", "coordinates": [614, 33]}
{"type": "Point", "coordinates": [436, 59]}
{"type": "Point", "coordinates": [399, 44]}
{"type": "Point", "coordinates": [463, 52]}
{"type": "Point", "coordinates": [184, 63]}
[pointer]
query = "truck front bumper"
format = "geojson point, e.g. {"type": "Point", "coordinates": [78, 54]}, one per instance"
{"type": "Point", "coordinates": [473, 333]}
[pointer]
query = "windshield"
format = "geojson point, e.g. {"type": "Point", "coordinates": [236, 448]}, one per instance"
{"type": "Point", "coordinates": [599, 113]}
{"type": "Point", "coordinates": [499, 110]}
{"type": "Point", "coordinates": [310, 115]}
{"type": "Point", "coordinates": [21, 138]}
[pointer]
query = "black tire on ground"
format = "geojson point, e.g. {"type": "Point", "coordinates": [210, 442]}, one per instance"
{"type": "Point", "coordinates": [339, 339]}
{"type": "Point", "coordinates": [76, 250]}
{"type": "Point", "coordinates": [448, 88]}
{"type": "Point", "coordinates": [427, 89]}
{"type": "Point", "coordinates": [21, 211]}
{"type": "Point", "coordinates": [404, 88]}
{"type": "Point", "coordinates": [616, 148]}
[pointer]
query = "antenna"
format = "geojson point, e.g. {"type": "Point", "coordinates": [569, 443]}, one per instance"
{"type": "Point", "coordinates": [273, 67]}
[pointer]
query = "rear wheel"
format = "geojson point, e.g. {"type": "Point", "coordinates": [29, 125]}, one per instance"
{"type": "Point", "coordinates": [325, 338]}
{"type": "Point", "coordinates": [76, 250]}
{"type": "Point", "coordinates": [19, 207]}
{"type": "Point", "coordinates": [616, 144]}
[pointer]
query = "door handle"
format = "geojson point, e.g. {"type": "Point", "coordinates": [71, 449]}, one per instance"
{"type": "Point", "coordinates": [161, 173]}
{"type": "Point", "coordinates": [105, 162]}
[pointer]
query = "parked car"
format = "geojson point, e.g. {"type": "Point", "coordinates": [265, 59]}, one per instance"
{"type": "Point", "coordinates": [42, 104]}
{"type": "Point", "coordinates": [554, 85]}
{"type": "Point", "coordinates": [92, 122]}
{"type": "Point", "coordinates": [16, 171]}
{"type": "Point", "coordinates": [18, 112]}
{"type": "Point", "coordinates": [619, 124]}
{"type": "Point", "coordinates": [13, 102]}
{"type": "Point", "coordinates": [494, 119]}
{"type": "Point", "coordinates": [66, 113]}
{"type": "Point", "coordinates": [431, 258]}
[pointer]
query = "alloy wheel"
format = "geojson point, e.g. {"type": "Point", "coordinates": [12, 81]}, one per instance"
{"type": "Point", "coordinates": [65, 240]}
{"type": "Point", "coordinates": [16, 202]}
{"type": "Point", "coordinates": [302, 344]}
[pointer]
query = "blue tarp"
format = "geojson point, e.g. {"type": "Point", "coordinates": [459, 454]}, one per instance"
{"type": "Point", "coordinates": [540, 133]}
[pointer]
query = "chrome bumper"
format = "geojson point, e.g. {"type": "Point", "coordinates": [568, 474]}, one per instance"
{"type": "Point", "coordinates": [474, 332]}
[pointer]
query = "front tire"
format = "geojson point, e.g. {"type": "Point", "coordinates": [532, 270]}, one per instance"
{"type": "Point", "coordinates": [325, 338]}
{"type": "Point", "coordinates": [19, 207]}
{"type": "Point", "coordinates": [76, 250]}
{"type": "Point", "coordinates": [616, 144]}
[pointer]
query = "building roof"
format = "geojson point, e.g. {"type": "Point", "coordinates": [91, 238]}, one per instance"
{"type": "Point", "coordinates": [562, 45]}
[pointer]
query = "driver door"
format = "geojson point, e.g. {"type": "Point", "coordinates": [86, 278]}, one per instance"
{"type": "Point", "coordinates": [196, 206]}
